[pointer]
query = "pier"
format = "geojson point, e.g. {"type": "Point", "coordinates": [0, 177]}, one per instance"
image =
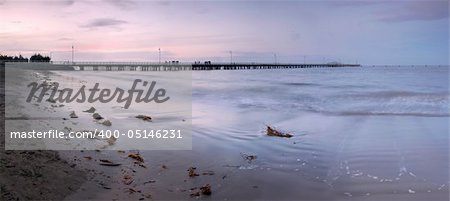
{"type": "Point", "coordinates": [142, 66]}
{"type": "Point", "coordinates": [173, 66]}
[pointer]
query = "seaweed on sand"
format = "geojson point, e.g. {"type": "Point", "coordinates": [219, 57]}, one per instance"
{"type": "Point", "coordinates": [136, 157]}
{"type": "Point", "coordinates": [206, 189]}
{"type": "Point", "coordinates": [248, 157]}
{"type": "Point", "coordinates": [97, 116]}
{"type": "Point", "coordinates": [273, 132]}
{"type": "Point", "coordinates": [144, 117]}
{"type": "Point", "coordinates": [192, 173]}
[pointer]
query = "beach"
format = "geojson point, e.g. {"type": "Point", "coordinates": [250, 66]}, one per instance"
{"type": "Point", "coordinates": [358, 134]}
{"type": "Point", "coordinates": [34, 175]}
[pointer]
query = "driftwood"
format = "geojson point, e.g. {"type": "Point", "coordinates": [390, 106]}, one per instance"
{"type": "Point", "coordinates": [105, 162]}
{"type": "Point", "coordinates": [273, 132]}
{"type": "Point", "coordinates": [110, 164]}
{"type": "Point", "coordinates": [144, 117]}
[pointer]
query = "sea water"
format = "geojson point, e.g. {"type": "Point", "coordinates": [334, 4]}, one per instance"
{"type": "Point", "coordinates": [369, 133]}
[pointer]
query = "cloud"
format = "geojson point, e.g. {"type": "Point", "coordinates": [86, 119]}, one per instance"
{"type": "Point", "coordinates": [123, 4]}
{"type": "Point", "coordinates": [66, 2]}
{"type": "Point", "coordinates": [104, 22]}
{"type": "Point", "coordinates": [65, 39]}
{"type": "Point", "coordinates": [60, 2]}
{"type": "Point", "coordinates": [413, 11]}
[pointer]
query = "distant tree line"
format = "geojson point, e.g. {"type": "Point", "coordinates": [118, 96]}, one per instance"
{"type": "Point", "coordinates": [20, 58]}
{"type": "Point", "coordinates": [39, 58]}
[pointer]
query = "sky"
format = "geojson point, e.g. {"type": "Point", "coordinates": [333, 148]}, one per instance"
{"type": "Point", "coordinates": [368, 32]}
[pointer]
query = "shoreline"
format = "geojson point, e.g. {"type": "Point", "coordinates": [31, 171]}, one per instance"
{"type": "Point", "coordinates": [34, 175]}
{"type": "Point", "coordinates": [86, 172]}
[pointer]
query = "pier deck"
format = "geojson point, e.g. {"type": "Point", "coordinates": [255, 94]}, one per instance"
{"type": "Point", "coordinates": [109, 66]}
{"type": "Point", "coordinates": [147, 66]}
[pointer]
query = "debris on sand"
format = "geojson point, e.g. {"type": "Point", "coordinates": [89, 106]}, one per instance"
{"type": "Point", "coordinates": [195, 194]}
{"type": "Point", "coordinates": [73, 115]}
{"type": "Point", "coordinates": [144, 117]}
{"type": "Point", "coordinates": [149, 182]}
{"type": "Point", "coordinates": [206, 189]}
{"type": "Point", "coordinates": [192, 172]}
{"type": "Point", "coordinates": [136, 157]}
{"type": "Point", "coordinates": [97, 116]}
{"type": "Point", "coordinates": [111, 140]}
{"type": "Point", "coordinates": [91, 110]}
{"type": "Point", "coordinates": [249, 158]}
{"type": "Point", "coordinates": [105, 162]}
{"type": "Point", "coordinates": [67, 128]}
{"type": "Point", "coordinates": [110, 164]}
{"type": "Point", "coordinates": [127, 180]}
{"type": "Point", "coordinates": [107, 123]}
{"type": "Point", "coordinates": [140, 164]}
{"type": "Point", "coordinates": [131, 191]}
{"type": "Point", "coordinates": [88, 158]}
{"type": "Point", "coordinates": [51, 100]}
{"type": "Point", "coordinates": [273, 132]}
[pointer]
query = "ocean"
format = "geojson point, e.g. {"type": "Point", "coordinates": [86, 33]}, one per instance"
{"type": "Point", "coordinates": [372, 133]}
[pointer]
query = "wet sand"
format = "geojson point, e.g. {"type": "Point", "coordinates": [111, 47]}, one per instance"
{"type": "Point", "coordinates": [34, 175]}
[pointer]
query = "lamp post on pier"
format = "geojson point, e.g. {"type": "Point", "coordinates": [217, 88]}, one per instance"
{"type": "Point", "coordinates": [159, 53]}
{"type": "Point", "coordinates": [72, 53]}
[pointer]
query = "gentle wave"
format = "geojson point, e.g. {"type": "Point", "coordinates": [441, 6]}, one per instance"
{"type": "Point", "coordinates": [378, 103]}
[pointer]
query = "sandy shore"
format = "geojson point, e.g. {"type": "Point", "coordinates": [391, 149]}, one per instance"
{"type": "Point", "coordinates": [34, 175]}
{"type": "Point", "coordinates": [67, 174]}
